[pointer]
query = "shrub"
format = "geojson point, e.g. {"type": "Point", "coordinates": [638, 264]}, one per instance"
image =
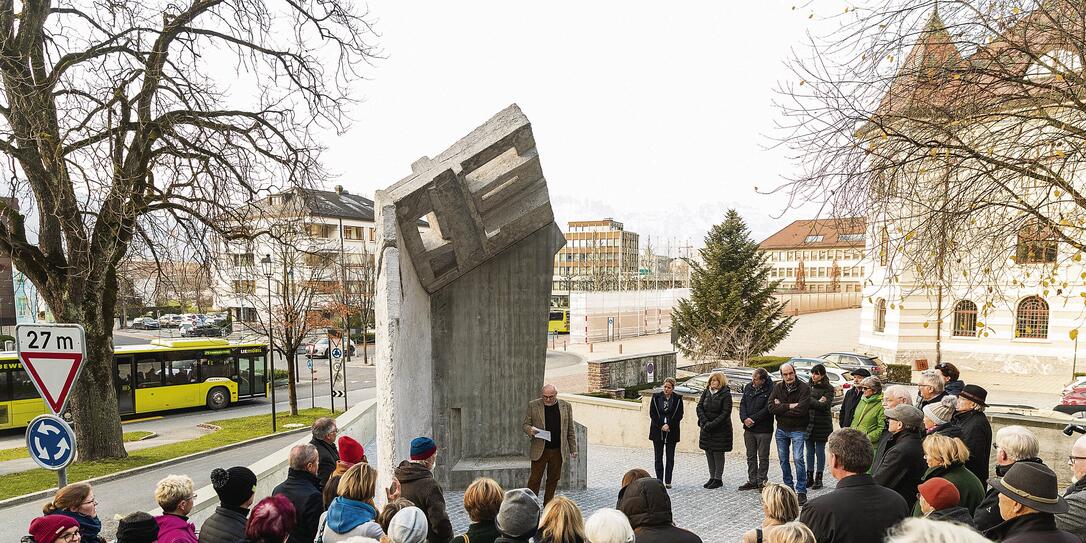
{"type": "Point", "coordinates": [4, 338]}
{"type": "Point", "coordinates": [899, 373]}
{"type": "Point", "coordinates": [769, 363]}
{"type": "Point", "coordinates": [280, 375]}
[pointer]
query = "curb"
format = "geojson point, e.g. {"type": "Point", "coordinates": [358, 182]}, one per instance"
{"type": "Point", "coordinates": [42, 494]}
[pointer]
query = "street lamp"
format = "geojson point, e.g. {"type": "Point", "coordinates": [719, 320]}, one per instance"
{"type": "Point", "coordinates": [266, 267]}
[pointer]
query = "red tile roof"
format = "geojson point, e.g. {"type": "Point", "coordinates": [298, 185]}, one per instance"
{"type": "Point", "coordinates": [794, 236]}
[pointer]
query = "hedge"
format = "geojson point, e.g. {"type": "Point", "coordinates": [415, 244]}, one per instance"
{"type": "Point", "coordinates": [898, 373]}
{"type": "Point", "coordinates": [769, 363]}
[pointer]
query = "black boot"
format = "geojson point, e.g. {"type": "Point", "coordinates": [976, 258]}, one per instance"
{"type": "Point", "coordinates": [810, 479]}
{"type": "Point", "coordinates": [803, 499]}
{"type": "Point", "coordinates": [715, 483]}
{"type": "Point", "coordinates": [817, 484]}
{"type": "Point", "coordinates": [707, 483]}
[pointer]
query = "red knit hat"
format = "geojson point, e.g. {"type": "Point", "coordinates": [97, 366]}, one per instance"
{"type": "Point", "coordinates": [46, 529]}
{"type": "Point", "coordinates": [939, 493]}
{"type": "Point", "coordinates": [350, 451]}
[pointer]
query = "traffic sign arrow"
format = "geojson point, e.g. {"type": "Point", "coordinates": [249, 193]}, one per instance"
{"type": "Point", "coordinates": [50, 429]}
{"type": "Point", "coordinates": [62, 449]}
{"type": "Point", "coordinates": [41, 450]}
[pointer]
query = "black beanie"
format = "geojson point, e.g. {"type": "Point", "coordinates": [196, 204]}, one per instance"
{"type": "Point", "coordinates": [234, 486]}
{"type": "Point", "coordinates": [137, 527]}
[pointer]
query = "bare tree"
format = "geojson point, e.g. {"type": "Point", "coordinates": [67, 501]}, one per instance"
{"type": "Point", "coordinates": [354, 294]}
{"type": "Point", "coordinates": [117, 124]}
{"type": "Point", "coordinates": [957, 128]}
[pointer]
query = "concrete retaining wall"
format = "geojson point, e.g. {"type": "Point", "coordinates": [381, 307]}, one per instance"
{"type": "Point", "coordinates": [625, 371]}
{"type": "Point", "coordinates": [359, 422]}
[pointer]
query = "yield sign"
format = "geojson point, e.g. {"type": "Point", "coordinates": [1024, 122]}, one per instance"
{"type": "Point", "coordinates": [52, 356]}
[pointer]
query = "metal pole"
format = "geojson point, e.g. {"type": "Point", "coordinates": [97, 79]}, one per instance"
{"type": "Point", "coordinates": [312, 382]}
{"type": "Point", "coordinates": [62, 478]}
{"type": "Point", "coordinates": [331, 383]}
{"type": "Point", "coordinates": [271, 352]}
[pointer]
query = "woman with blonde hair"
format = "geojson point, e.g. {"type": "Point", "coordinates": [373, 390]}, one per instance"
{"type": "Point", "coordinates": [791, 532]}
{"type": "Point", "coordinates": [482, 500]}
{"type": "Point", "coordinates": [780, 506]}
{"type": "Point", "coordinates": [715, 422]}
{"type": "Point", "coordinates": [352, 513]}
{"type": "Point", "coordinates": [77, 502]}
{"type": "Point", "coordinates": [561, 522]}
{"type": "Point", "coordinates": [946, 458]}
{"type": "Point", "coordinates": [176, 496]}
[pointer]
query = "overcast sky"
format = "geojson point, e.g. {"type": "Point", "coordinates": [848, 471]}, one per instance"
{"type": "Point", "coordinates": [657, 115]}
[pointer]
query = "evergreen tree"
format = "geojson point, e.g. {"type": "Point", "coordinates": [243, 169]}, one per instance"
{"type": "Point", "coordinates": [731, 313]}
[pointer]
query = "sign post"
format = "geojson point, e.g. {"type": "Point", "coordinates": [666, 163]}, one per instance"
{"type": "Point", "coordinates": [312, 374]}
{"type": "Point", "coordinates": [52, 355]}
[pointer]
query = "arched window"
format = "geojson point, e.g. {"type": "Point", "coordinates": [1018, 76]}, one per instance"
{"type": "Point", "coordinates": [1036, 244]}
{"type": "Point", "coordinates": [880, 315]}
{"type": "Point", "coordinates": [965, 319]}
{"type": "Point", "coordinates": [1032, 318]}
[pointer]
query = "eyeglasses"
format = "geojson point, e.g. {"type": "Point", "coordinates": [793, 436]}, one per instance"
{"type": "Point", "coordinates": [995, 446]}
{"type": "Point", "coordinates": [1071, 459]}
{"type": "Point", "coordinates": [90, 501]}
{"type": "Point", "coordinates": [70, 536]}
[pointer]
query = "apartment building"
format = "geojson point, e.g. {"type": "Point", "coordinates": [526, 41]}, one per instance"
{"type": "Point", "coordinates": [818, 255]}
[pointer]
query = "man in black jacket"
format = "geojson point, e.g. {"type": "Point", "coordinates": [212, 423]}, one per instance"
{"type": "Point", "coordinates": [302, 491]}
{"type": "Point", "coordinates": [324, 439]}
{"type": "Point", "coordinates": [235, 487]}
{"type": "Point", "coordinates": [976, 430]}
{"type": "Point", "coordinates": [852, 397]}
{"type": "Point", "coordinates": [757, 428]}
{"type": "Point", "coordinates": [899, 461]}
{"type": "Point", "coordinates": [790, 403]}
{"type": "Point", "coordinates": [859, 510]}
{"type": "Point", "coordinates": [1013, 444]}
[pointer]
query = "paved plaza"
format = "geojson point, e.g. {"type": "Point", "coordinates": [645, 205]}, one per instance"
{"type": "Point", "coordinates": [716, 515]}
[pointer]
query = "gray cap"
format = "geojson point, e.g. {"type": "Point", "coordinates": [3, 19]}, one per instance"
{"type": "Point", "coordinates": [906, 414]}
{"type": "Point", "coordinates": [518, 515]}
{"type": "Point", "coordinates": [942, 411]}
{"type": "Point", "coordinates": [408, 526]}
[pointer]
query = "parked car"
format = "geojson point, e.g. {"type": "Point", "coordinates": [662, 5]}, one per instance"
{"type": "Point", "coordinates": [321, 347]}
{"type": "Point", "coordinates": [1074, 397]}
{"type": "Point", "coordinates": [167, 320]}
{"type": "Point", "coordinates": [851, 361]}
{"type": "Point", "coordinates": [144, 323]}
{"type": "Point", "coordinates": [203, 330]}
{"type": "Point", "coordinates": [737, 378]}
{"type": "Point", "coordinates": [806, 364]}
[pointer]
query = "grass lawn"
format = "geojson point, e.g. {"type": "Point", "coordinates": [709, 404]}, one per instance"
{"type": "Point", "coordinates": [20, 452]}
{"type": "Point", "coordinates": [233, 430]}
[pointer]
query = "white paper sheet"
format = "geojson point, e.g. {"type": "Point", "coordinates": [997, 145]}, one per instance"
{"type": "Point", "coordinates": [542, 434]}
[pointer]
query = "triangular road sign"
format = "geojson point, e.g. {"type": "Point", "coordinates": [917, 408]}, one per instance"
{"type": "Point", "coordinates": [53, 374]}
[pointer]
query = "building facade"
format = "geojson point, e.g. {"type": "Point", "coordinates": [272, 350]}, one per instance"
{"type": "Point", "coordinates": [1012, 305]}
{"type": "Point", "coordinates": [599, 255]}
{"type": "Point", "coordinates": [320, 257]}
{"type": "Point", "coordinates": [819, 255]}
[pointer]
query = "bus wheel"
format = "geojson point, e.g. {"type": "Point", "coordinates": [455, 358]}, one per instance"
{"type": "Point", "coordinates": [218, 398]}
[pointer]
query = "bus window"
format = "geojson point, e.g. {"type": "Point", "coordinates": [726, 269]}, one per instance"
{"type": "Point", "coordinates": [5, 395]}
{"type": "Point", "coordinates": [149, 373]}
{"type": "Point", "coordinates": [216, 366]}
{"type": "Point", "coordinates": [180, 369]}
{"type": "Point", "coordinates": [245, 372]}
{"type": "Point", "coordinates": [259, 375]}
{"type": "Point", "coordinates": [22, 388]}
{"type": "Point", "coordinates": [556, 316]}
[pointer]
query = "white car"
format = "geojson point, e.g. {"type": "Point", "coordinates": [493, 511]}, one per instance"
{"type": "Point", "coordinates": [840, 379]}
{"type": "Point", "coordinates": [320, 347]}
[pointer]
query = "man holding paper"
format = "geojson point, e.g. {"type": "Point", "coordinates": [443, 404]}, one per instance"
{"type": "Point", "coordinates": [549, 422]}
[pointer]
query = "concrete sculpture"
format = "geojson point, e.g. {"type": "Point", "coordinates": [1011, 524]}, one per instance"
{"type": "Point", "coordinates": [463, 290]}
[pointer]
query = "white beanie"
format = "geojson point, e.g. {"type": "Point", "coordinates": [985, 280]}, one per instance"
{"type": "Point", "coordinates": [408, 526]}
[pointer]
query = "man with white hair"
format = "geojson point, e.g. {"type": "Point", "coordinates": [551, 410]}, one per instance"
{"type": "Point", "coordinates": [302, 489]}
{"type": "Point", "coordinates": [552, 419]}
{"type": "Point", "coordinates": [930, 389]}
{"type": "Point", "coordinates": [1012, 444]}
{"type": "Point", "coordinates": [1074, 520]}
{"type": "Point", "coordinates": [895, 395]}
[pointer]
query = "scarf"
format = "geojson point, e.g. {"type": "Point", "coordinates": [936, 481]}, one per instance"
{"type": "Point", "coordinates": [345, 515]}
{"type": "Point", "coordinates": [89, 527]}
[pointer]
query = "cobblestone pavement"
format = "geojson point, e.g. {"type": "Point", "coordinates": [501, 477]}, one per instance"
{"type": "Point", "coordinates": [719, 515]}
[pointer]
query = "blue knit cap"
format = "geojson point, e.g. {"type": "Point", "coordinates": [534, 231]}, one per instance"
{"type": "Point", "coordinates": [422, 448]}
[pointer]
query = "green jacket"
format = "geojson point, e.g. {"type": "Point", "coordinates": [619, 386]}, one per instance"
{"type": "Point", "coordinates": [969, 487]}
{"type": "Point", "coordinates": [870, 418]}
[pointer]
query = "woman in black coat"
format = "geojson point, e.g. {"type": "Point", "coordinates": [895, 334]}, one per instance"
{"type": "Point", "coordinates": [820, 425]}
{"type": "Point", "coordinates": [715, 421]}
{"type": "Point", "coordinates": [665, 415]}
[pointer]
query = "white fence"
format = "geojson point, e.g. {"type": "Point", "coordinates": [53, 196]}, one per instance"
{"type": "Point", "coordinates": [612, 315]}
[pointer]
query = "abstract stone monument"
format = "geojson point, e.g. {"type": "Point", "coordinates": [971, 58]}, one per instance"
{"type": "Point", "coordinates": [464, 276]}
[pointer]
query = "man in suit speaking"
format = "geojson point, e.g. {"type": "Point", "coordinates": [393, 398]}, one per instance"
{"type": "Point", "coordinates": [549, 422]}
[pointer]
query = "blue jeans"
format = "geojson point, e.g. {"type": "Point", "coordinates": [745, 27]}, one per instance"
{"type": "Point", "coordinates": [816, 456]}
{"type": "Point", "coordinates": [793, 440]}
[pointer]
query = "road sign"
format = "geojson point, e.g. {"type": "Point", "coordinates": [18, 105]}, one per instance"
{"type": "Point", "coordinates": [51, 442]}
{"type": "Point", "coordinates": [309, 362]}
{"type": "Point", "coordinates": [650, 369]}
{"type": "Point", "coordinates": [336, 353]}
{"type": "Point", "coordinates": [310, 349]}
{"type": "Point", "coordinates": [53, 355]}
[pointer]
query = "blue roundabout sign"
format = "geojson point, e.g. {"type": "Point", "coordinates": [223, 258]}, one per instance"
{"type": "Point", "coordinates": [51, 442]}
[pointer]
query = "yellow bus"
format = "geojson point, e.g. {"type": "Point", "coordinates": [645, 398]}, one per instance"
{"type": "Point", "coordinates": [559, 321]}
{"type": "Point", "coordinates": [162, 375]}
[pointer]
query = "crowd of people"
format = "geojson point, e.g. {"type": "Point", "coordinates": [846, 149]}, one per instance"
{"type": "Point", "coordinates": [907, 470]}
